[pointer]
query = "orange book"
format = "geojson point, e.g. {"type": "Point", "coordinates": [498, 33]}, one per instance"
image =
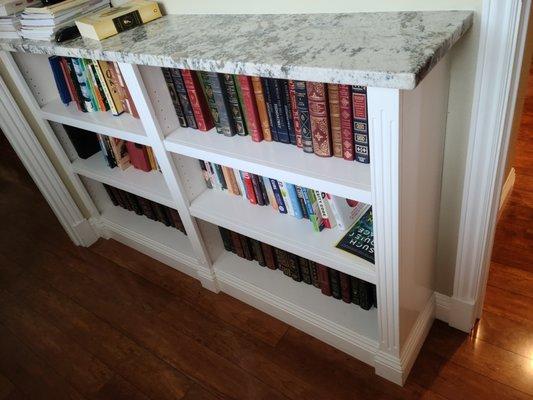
{"type": "Point", "coordinates": [335, 119]}
{"type": "Point", "coordinates": [261, 108]}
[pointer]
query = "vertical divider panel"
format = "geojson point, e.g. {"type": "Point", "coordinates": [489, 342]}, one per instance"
{"type": "Point", "coordinates": [155, 134]}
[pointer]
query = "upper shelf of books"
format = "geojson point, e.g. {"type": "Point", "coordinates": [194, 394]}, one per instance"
{"type": "Point", "coordinates": [388, 49]}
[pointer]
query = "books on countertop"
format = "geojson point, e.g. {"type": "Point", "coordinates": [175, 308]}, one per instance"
{"type": "Point", "coordinates": [10, 14]}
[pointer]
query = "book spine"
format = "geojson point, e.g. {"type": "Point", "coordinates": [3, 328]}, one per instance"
{"type": "Point", "coordinates": [317, 220]}
{"type": "Point", "coordinates": [257, 253]}
{"type": "Point", "coordinates": [176, 219]}
{"type": "Point", "coordinates": [212, 175]}
{"type": "Point", "coordinates": [295, 117]}
{"type": "Point", "coordinates": [250, 104]}
{"type": "Point", "coordinates": [335, 119]}
{"type": "Point", "coordinates": [234, 183]}
{"type": "Point", "coordinates": [99, 85]}
{"type": "Point", "coordinates": [160, 213]}
{"type": "Point", "coordinates": [220, 176]}
{"type": "Point", "coordinates": [277, 194]}
{"type": "Point", "coordinates": [242, 105]}
{"type": "Point", "coordinates": [112, 85]}
{"type": "Point", "coordinates": [257, 189]}
{"type": "Point", "coordinates": [282, 258]}
{"type": "Point", "coordinates": [68, 81]}
{"type": "Point", "coordinates": [109, 150]}
{"type": "Point", "coordinates": [202, 115]}
{"type": "Point", "coordinates": [308, 206]}
{"type": "Point", "coordinates": [270, 193]}
{"type": "Point", "coordinates": [261, 108]}
{"type": "Point", "coordinates": [210, 97]}
{"type": "Point", "coordinates": [74, 80]}
{"type": "Point", "coordinates": [270, 108]}
{"type": "Point", "coordinates": [264, 192]}
{"type": "Point", "coordinates": [301, 200]}
{"type": "Point", "coordinates": [302, 103]}
{"type": "Point", "coordinates": [249, 186]}
{"type": "Point", "coordinates": [174, 97]}
{"type": "Point", "coordinates": [237, 244]}
{"type": "Point", "coordinates": [346, 290]}
{"type": "Point", "coordinates": [223, 107]}
{"type": "Point", "coordinates": [365, 295]}
{"type": "Point", "coordinates": [82, 82]}
{"type": "Point", "coordinates": [322, 208]}
{"type": "Point", "coordinates": [276, 89]}
{"type": "Point", "coordinates": [323, 279]}
{"type": "Point", "coordinates": [287, 109]}
{"type": "Point", "coordinates": [226, 172]}
{"type": "Point", "coordinates": [374, 296]}
{"type": "Point", "coordinates": [360, 124]}
{"type": "Point", "coordinates": [138, 156]}
{"type": "Point", "coordinates": [183, 96]}
{"type": "Point", "coordinates": [146, 207]}
{"type": "Point", "coordinates": [246, 247]}
{"type": "Point", "coordinates": [128, 102]}
{"type": "Point", "coordinates": [354, 290]}
{"type": "Point", "coordinates": [314, 274]}
{"type": "Point", "coordinates": [134, 203]}
{"type": "Point", "coordinates": [293, 195]}
{"type": "Point", "coordinates": [240, 182]}
{"type": "Point", "coordinates": [226, 239]}
{"type": "Point", "coordinates": [268, 254]}
{"type": "Point", "coordinates": [286, 198]}
{"type": "Point", "coordinates": [305, 271]}
{"type": "Point", "coordinates": [335, 283]}
{"type": "Point", "coordinates": [294, 267]}
{"type": "Point", "coordinates": [111, 195]}
{"type": "Point", "coordinates": [105, 88]}
{"type": "Point", "coordinates": [318, 114]}
{"type": "Point", "coordinates": [91, 84]}
{"type": "Point", "coordinates": [347, 136]}
{"type": "Point", "coordinates": [205, 174]}
{"type": "Point", "coordinates": [234, 106]}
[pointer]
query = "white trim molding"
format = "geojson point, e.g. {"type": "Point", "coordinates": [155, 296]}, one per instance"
{"type": "Point", "coordinates": [502, 38]}
{"type": "Point", "coordinates": [19, 133]}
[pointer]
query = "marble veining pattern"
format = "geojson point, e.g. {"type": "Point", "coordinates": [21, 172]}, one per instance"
{"type": "Point", "coordinates": [388, 49]}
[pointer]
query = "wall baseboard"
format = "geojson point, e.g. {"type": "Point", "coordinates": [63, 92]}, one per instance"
{"type": "Point", "coordinates": [442, 307]}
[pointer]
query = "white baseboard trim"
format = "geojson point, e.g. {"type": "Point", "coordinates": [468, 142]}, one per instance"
{"type": "Point", "coordinates": [86, 232]}
{"type": "Point", "coordinates": [462, 314]}
{"type": "Point", "coordinates": [507, 188]}
{"type": "Point", "coordinates": [442, 307]}
{"type": "Point", "coordinates": [208, 279]}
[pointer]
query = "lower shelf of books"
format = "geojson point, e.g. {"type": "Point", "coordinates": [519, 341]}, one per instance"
{"type": "Point", "coordinates": [288, 233]}
{"type": "Point", "coordinates": [301, 305]}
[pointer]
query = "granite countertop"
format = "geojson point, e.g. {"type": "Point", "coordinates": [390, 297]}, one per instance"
{"type": "Point", "coordinates": [387, 49]}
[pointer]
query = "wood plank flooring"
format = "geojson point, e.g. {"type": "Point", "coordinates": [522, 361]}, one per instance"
{"type": "Point", "coordinates": [110, 323]}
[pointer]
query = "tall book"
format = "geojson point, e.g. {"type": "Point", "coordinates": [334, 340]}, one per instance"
{"type": "Point", "coordinates": [226, 239]}
{"type": "Point", "coordinates": [183, 96]}
{"type": "Point", "coordinates": [202, 114]}
{"type": "Point", "coordinates": [318, 114]}
{"type": "Point", "coordinates": [246, 247]}
{"type": "Point", "coordinates": [294, 267]}
{"type": "Point", "coordinates": [237, 244]}
{"type": "Point", "coordinates": [237, 119]}
{"type": "Point", "coordinates": [261, 108]}
{"type": "Point", "coordinates": [346, 290]}
{"type": "Point", "coordinates": [305, 271]}
{"type": "Point", "coordinates": [242, 105]}
{"type": "Point", "coordinates": [222, 103]}
{"type": "Point", "coordinates": [74, 82]}
{"type": "Point", "coordinates": [314, 274]}
{"type": "Point", "coordinates": [112, 86]}
{"type": "Point", "coordinates": [61, 83]}
{"type": "Point", "coordinates": [268, 254]}
{"type": "Point", "coordinates": [282, 258]}
{"type": "Point", "coordinates": [257, 252]}
{"type": "Point", "coordinates": [287, 110]}
{"type": "Point", "coordinates": [366, 295]}
{"type": "Point", "coordinates": [323, 279]}
{"type": "Point", "coordinates": [257, 189]}
{"type": "Point", "coordinates": [347, 136]}
{"type": "Point", "coordinates": [335, 283]}
{"type": "Point", "coordinates": [210, 98]}
{"type": "Point", "coordinates": [354, 289]}
{"type": "Point", "coordinates": [360, 124]}
{"type": "Point", "coordinates": [249, 186]}
{"type": "Point", "coordinates": [82, 82]}
{"type": "Point", "coordinates": [278, 106]}
{"type": "Point", "coordinates": [295, 117]}
{"type": "Point", "coordinates": [107, 92]}
{"type": "Point", "coordinates": [282, 208]}
{"type": "Point", "coordinates": [335, 119]}
{"type": "Point", "coordinates": [250, 106]}
{"type": "Point", "coordinates": [167, 74]}
{"type": "Point", "coordinates": [85, 142]}
{"type": "Point", "coordinates": [300, 89]}
{"type": "Point", "coordinates": [269, 102]}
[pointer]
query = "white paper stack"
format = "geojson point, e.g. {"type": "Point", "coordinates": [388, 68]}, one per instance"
{"type": "Point", "coordinates": [10, 11]}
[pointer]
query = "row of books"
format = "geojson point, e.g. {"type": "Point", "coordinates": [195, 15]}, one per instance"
{"type": "Point", "coordinates": [324, 119]}
{"type": "Point", "coordinates": [148, 208]}
{"type": "Point", "coordinates": [92, 85]}
{"type": "Point", "coordinates": [117, 152]}
{"type": "Point", "coordinates": [322, 209]}
{"type": "Point", "coordinates": [330, 281]}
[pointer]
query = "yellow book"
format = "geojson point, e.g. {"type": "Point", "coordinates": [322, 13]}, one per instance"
{"type": "Point", "coordinates": [109, 22]}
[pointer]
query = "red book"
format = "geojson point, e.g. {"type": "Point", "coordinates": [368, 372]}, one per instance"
{"type": "Point", "coordinates": [70, 84]}
{"type": "Point", "coordinates": [199, 106]}
{"type": "Point", "coordinates": [268, 254]}
{"type": "Point", "coordinates": [138, 156]}
{"type": "Point", "coordinates": [323, 279]}
{"type": "Point", "coordinates": [346, 287]}
{"type": "Point", "coordinates": [345, 102]}
{"type": "Point", "coordinates": [249, 186]}
{"type": "Point", "coordinates": [318, 111]}
{"type": "Point", "coordinates": [250, 106]}
{"type": "Point", "coordinates": [295, 118]}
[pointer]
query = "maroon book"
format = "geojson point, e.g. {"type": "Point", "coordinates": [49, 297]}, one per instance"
{"type": "Point", "coordinates": [323, 279]}
{"type": "Point", "coordinates": [250, 107]}
{"type": "Point", "coordinates": [138, 156]}
{"type": "Point", "coordinates": [346, 288]}
{"type": "Point", "coordinates": [249, 186]}
{"type": "Point", "coordinates": [199, 105]}
{"type": "Point", "coordinates": [318, 111]}
{"type": "Point", "coordinates": [295, 117]}
{"type": "Point", "coordinates": [237, 245]}
{"type": "Point", "coordinates": [70, 84]}
{"type": "Point", "coordinates": [176, 220]}
{"type": "Point", "coordinates": [268, 254]}
{"type": "Point", "coordinates": [345, 102]}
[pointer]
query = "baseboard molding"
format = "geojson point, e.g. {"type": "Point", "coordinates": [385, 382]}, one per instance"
{"type": "Point", "coordinates": [208, 279]}
{"type": "Point", "coordinates": [86, 232]}
{"type": "Point", "coordinates": [507, 188]}
{"type": "Point", "coordinates": [442, 307]}
{"type": "Point", "coordinates": [462, 314]}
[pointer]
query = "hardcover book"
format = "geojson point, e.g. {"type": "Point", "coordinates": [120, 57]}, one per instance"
{"type": "Point", "coordinates": [183, 95]}
{"type": "Point", "coordinates": [138, 156]}
{"type": "Point", "coordinates": [268, 254]}
{"type": "Point", "coordinates": [346, 290]}
{"type": "Point", "coordinates": [366, 295]}
{"type": "Point", "coordinates": [261, 108]}
{"type": "Point", "coordinates": [287, 110]}
{"type": "Point", "coordinates": [318, 112]}
{"type": "Point", "coordinates": [360, 124]}
{"type": "Point", "coordinates": [295, 117]}
{"type": "Point", "coordinates": [82, 82]}
{"type": "Point", "coordinates": [202, 114]}
{"type": "Point", "coordinates": [61, 83]}
{"type": "Point", "coordinates": [237, 244]}
{"type": "Point", "coordinates": [277, 194]}
{"type": "Point", "coordinates": [347, 135]}
{"type": "Point", "coordinates": [249, 186]}
{"type": "Point", "coordinates": [127, 100]}
{"type": "Point", "coordinates": [335, 283]}
{"type": "Point", "coordinates": [112, 86]}
{"type": "Point", "coordinates": [359, 239]}
{"type": "Point", "coordinates": [205, 174]}
{"type": "Point", "coordinates": [305, 271]}
{"type": "Point", "coordinates": [257, 252]}
{"type": "Point", "coordinates": [346, 211]}
{"type": "Point", "coordinates": [234, 106]}
{"type": "Point", "coordinates": [167, 74]}
{"type": "Point", "coordinates": [335, 118]}
{"type": "Point", "coordinates": [354, 289]}
{"type": "Point", "coordinates": [314, 274]}
{"type": "Point", "coordinates": [246, 247]}
{"type": "Point", "coordinates": [70, 76]}
{"type": "Point", "coordinates": [323, 279]}
{"type": "Point", "coordinates": [241, 104]}
{"type": "Point", "coordinates": [294, 267]}
{"type": "Point", "coordinates": [277, 99]}
{"type": "Point", "coordinates": [85, 142]}
{"type": "Point", "coordinates": [264, 191]}
{"type": "Point", "coordinates": [269, 102]}
{"type": "Point", "coordinates": [210, 98]}
{"type": "Point", "coordinates": [300, 88]}
{"type": "Point", "coordinates": [293, 196]}
{"type": "Point", "coordinates": [250, 105]}
{"type": "Point", "coordinates": [257, 189]}
{"type": "Point", "coordinates": [176, 220]}
{"type": "Point", "coordinates": [226, 126]}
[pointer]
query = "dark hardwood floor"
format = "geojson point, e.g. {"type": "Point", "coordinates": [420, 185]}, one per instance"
{"type": "Point", "coordinates": [110, 323]}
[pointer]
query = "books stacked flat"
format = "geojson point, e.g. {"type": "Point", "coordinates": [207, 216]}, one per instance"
{"type": "Point", "coordinates": [42, 23]}
{"type": "Point", "coordinates": [10, 12]}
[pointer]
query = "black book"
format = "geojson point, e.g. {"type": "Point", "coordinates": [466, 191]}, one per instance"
{"type": "Point", "coordinates": [136, 207]}
{"type": "Point", "coordinates": [303, 115]}
{"type": "Point", "coordinates": [359, 239]}
{"type": "Point", "coordinates": [257, 253]}
{"type": "Point", "coordinates": [287, 110]}
{"type": "Point", "coordinates": [294, 267]}
{"type": "Point", "coordinates": [111, 195]}
{"type": "Point", "coordinates": [257, 189]}
{"type": "Point", "coordinates": [276, 91]}
{"type": "Point", "coordinates": [174, 96]}
{"type": "Point", "coordinates": [355, 289]}
{"type": "Point", "coordinates": [76, 84]}
{"type": "Point", "coordinates": [237, 119]}
{"type": "Point", "coordinates": [360, 124]}
{"type": "Point", "coordinates": [220, 175]}
{"type": "Point", "coordinates": [124, 199]}
{"type": "Point", "coordinates": [183, 97]}
{"type": "Point", "coordinates": [226, 239]}
{"type": "Point", "coordinates": [335, 283]}
{"type": "Point", "coordinates": [146, 207]}
{"type": "Point", "coordinates": [374, 296]}
{"type": "Point", "coordinates": [85, 142]}
{"type": "Point", "coordinates": [210, 97]}
{"type": "Point", "coordinates": [246, 247]}
{"type": "Point", "coordinates": [160, 213]}
{"type": "Point", "coordinates": [282, 259]}
{"type": "Point", "coordinates": [365, 295]}
{"type": "Point", "coordinates": [225, 125]}
{"type": "Point", "coordinates": [269, 102]}
{"type": "Point", "coordinates": [305, 271]}
{"type": "Point", "coordinates": [263, 191]}
{"type": "Point", "coordinates": [314, 274]}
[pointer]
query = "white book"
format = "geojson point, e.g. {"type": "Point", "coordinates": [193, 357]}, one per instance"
{"type": "Point", "coordinates": [9, 7]}
{"type": "Point", "coordinates": [286, 198]}
{"type": "Point", "coordinates": [346, 212]}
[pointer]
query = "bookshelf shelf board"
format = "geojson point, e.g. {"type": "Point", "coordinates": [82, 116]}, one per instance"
{"type": "Point", "coordinates": [128, 227]}
{"type": "Point", "coordinates": [297, 298]}
{"type": "Point", "coordinates": [123, 127]}
{"type": "Point", "coordinates": [288, 233]}
{"type": "Point", "coordinates": [280, 161]}
{"type": "Point", "coordinates": [150, 185]}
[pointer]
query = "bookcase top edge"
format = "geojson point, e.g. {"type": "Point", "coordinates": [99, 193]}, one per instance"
{"type": "Point", "coordinates": [383, 49]}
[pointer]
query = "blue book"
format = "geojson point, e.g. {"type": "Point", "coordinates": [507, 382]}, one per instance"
{"type": "Point", "coordinates": [265, 82]}
{"type": "Point", "coordinates": [287, 110]}
{"type": "Point", "coordinates": [277, 194]}
{"type": "Point", "coordinates": [294, 200]}
{"type": "Point", "coordinates": [61, 83]}
{"type": "Point", "coordinates": [280, 120]}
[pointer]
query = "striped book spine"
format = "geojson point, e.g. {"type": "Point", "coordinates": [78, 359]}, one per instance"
{"type": "Point", "coordinates": [303, 115]}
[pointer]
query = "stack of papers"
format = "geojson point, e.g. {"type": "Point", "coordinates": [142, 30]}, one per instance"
{"type": "Point", "coordinates": [10, 11]}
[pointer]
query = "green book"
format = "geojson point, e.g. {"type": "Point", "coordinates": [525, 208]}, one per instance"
{"type": "Point", "coordinates": [241, 103]}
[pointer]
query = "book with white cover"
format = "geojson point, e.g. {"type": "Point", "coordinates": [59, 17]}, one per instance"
{"type": "Point", "coordinates": [346, 212]}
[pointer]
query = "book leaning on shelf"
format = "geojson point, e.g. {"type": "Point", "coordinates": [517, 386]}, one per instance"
{"type": "Point", "coordinates": [324, 119]}
{"type": "Point", "coordinates": [92, 85]}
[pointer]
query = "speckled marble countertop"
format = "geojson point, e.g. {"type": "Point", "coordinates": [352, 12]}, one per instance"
{"type": "Point", "coordinates": [389, 49]}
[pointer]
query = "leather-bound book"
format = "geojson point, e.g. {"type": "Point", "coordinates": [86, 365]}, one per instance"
{"type": "Point", "coordinates": [365, 295]}
{"type": "Point", "coordinates": [277, 98]}
{"type": "Point", "coordinates": [250, 105]}
{"type": "Point", "coordinates": [257, 189]}
{"type": "Point", "coordinates": [269, 256]}
{"type": "Point", "coordinates": [257, 252]}
{"type": "Point", "coordinates": [225, 125]}
{"type": "Point", "coordinates": [146, 207]}
{"type": "Point", "coordinates": [138, 156]}
{"type": "Point", "coordinates": [314, 274]}
{"type": "Point", "coordinates": [295, 117]}
{"type": "Point", "coordinates": [354, 283]}
{"type": "Point", "coordinates": [136, 207]}
{"type": "Point", "coordinates": [335, 118]}
{"type": "Point", "coordinates": [302, 103]}
{"type": "Point", "coordinates": [294, 267]}
{"type": "Point", "coordinates": [237, 245]}
{"type": "Point", "coordinates": [160, 213]}
{"type": "Point", "coordinates": [323, 279]}
{"type": "Point", "coordinates": [374, 296]}
{"type": "Point", "coordinates": [346, 290]}
{"type": "Point", "coordinates": [226, 239]}
{"type": "Point", "coordinates": [174, 97]}
{"type": "Point", "coordinates": [247, 248]}
{"type": "Point", "coordinates": [111, 194]}
{"type": "Point", "coordinates": [269, 102]}
{"type": "Point", "coordinates": [202, 114]}
{"type": "Point", "coordinates": [122, 198]}
{"type": "Point", "coordinates": [242, 105]}
{"type": "Point", "coordinates": [176, 220]}
{"type": "Point", "coordinates": [305, 271]}
{"type": "Point", "coordinates": [261, 108]}
{"type": "Point", "coordinates": [282, 261]}
{"type": "Point", "coordinates": [207, 89]}
{"type": "Point", "coordinates": [237, 119]}
{"type": "Point", "coordinates": [249, 186]}
{"type": "Point", "coordinates": [318, 111]}
{"type": "Point", "coordinates": [360, 124]}
{"type": "Point", "coordinates": [335, 283]}
{"type": "Point", "coordinates": [347, 135]}
{"type": "Point", "coordinates": [183, 96]}
{"type": "Point", "coordinates": [287, 110]}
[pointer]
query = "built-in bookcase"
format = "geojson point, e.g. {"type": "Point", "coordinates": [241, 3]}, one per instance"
{"type": "Point", "coordinates": [402, 184]}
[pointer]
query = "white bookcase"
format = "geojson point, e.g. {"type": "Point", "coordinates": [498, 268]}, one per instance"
{"type": "Point", "coordinates": [402, 183]}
